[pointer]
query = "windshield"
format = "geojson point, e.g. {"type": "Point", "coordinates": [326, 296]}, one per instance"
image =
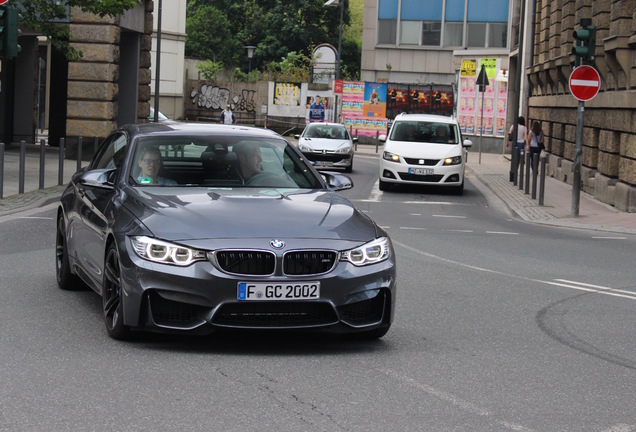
{"type": "Point", "coordinates": [219, 162]}
{"type": "Point", "coordinates": [326, 131]}
{"type": "Point", "coordinates": [425, 132]}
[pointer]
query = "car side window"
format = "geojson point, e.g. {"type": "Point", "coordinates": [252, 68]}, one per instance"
{"type": "Point", "coordinates": [112, 153]}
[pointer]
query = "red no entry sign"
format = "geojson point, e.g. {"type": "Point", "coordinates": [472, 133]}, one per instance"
{"type": "Point", "coordinates": [584, 82]}
{"type": "Point", "coordinates": [3, 2]}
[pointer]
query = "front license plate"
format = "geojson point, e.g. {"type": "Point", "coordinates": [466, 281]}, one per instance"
{"type": "Point", "coordinates": [324, 163]}
{"type": "Point", "coordinates": [272, 291]}
{"type": "Point", "coordinates": [421, 171]}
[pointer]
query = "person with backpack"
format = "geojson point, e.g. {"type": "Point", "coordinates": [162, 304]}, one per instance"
{"type": "Point", "coordinates": [227, 116]}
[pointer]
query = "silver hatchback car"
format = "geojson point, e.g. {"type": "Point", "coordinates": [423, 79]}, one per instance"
{"type": "Point", "coordinates": [327, 145]}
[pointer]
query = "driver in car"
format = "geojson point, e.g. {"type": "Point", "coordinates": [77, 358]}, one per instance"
{"type": "Point", "coordinates": [250, 160]}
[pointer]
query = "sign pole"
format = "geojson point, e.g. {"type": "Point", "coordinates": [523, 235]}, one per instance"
{"type": "Point", "coordinates": [578, 151]}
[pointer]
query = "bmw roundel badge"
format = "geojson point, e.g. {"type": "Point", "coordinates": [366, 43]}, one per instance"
{"type": "Point", "coordinates": [277, 244]}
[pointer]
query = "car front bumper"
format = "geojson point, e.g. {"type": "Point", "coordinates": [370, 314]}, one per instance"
{"type": "Point", "coordinates": [201, 298]}
{"type": "Point", "coordinates": [445, 175]}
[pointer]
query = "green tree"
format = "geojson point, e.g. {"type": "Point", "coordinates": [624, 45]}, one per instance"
{"type": "Point", "coordinates": [276, 27]}
{"type": "Point", "coordinates": [46, 17]}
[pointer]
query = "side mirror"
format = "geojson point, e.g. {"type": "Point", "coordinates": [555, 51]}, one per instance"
{"type": "Point", "coordinates": [337, 181]}
{"type": "Point", "coordinates": [382, 138]}
{"type": "Point", "coordinates": [100, 179]}
{"type": "Point", "coordinates": [296, 136]}
{"type": "Point", "coordinates": [354, 139]}
{"type": "Point", "coordinates": [468, 143]}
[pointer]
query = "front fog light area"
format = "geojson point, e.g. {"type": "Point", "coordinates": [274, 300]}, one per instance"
{"type": "Point", "coordinates": [373, 252]}
{"type": "Point", "coordinates": [163, 252]}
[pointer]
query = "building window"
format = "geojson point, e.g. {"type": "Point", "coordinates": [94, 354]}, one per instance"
{"type": "Point", "coordinates": [497, 35]}
{"type": "Point", "coordinates": [431, 33]}
{"type": "Point", "coordinates": [387, 31]}
{"type": "Point", "coordinates": [420, 22]}
{"type": "Point", "coordinates": [454, 34]}
{"type": "Point", "coordinates": [410, 33]}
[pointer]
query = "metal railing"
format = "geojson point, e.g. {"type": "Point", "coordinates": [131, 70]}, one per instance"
{"type": "Point", "coordinates": [24, 165]}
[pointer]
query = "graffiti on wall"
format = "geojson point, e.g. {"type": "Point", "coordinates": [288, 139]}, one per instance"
{"type": "Point", "coordinates": [215, 97]}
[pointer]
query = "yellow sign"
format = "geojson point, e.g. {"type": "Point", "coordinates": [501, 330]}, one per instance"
{"type": "Point", "coordinates": [491, 67]}
{"type": "Point", "coordinates": [469, 68]}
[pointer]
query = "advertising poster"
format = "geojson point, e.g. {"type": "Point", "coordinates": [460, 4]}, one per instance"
{"type": "Point", "coordinates": [375, 99]}
{"type": "Point", "coordinates": [352, 99]}
{"type": "Point", "coordinates": [420, 99]}
{"type": "Point", "coordinates": [442, 100]}
{"type": "Point", "coordinates": [319, 107]}
{"type": "Point", "coordinates": [398, 99]}
{"type": "Point", "coordinates": [286, 94]}
{"type": "Point", "coordinates": [502, 99]}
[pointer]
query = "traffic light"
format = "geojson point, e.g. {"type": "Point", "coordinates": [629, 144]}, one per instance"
{"type": "Point", "coordinates": [585, 43]}
{"type": "Point", "coordinates": [9, 33]}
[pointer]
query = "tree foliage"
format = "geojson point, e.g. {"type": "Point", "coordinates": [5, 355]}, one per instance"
{"type": "Point", "coordinates": [48, 17]}
{"type": "Point", "coordinates": [220, 30]}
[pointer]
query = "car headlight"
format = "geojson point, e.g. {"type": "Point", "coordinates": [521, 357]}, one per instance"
{"type": "Point", "coordinates": [455, 160]}
{"type": "Point", "coordinates": [373, 252]}
{"type": "Point", "coordinates": [163, 252]}
{"type": "Point", "coordinates": [390, 156]}
{"type": "Point", "coordinates": [345, 149]}
{"type": "Point", "coordinates": [305, 148]}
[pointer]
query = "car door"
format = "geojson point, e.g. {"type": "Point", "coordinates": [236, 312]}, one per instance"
{"type": "Point", "coordinates": [94, 201]}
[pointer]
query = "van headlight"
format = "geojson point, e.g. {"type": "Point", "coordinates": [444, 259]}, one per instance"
{"type": "Point", "coordinates": [390, 156]}
{"type": "Point", "coordinates": [455, 160]}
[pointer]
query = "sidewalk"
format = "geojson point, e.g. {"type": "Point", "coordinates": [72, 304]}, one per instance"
{"type": "Point", "coordinates": [491, 177]}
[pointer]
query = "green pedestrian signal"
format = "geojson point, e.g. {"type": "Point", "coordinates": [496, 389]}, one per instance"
{"type": "Point", "coordinates": [9, 33]}
{"type": "Point", "coordinates": [585, 43]}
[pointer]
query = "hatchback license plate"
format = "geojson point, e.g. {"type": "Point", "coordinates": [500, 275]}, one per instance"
{"type": "Point", "coordinates": [421, 171]}
{"type": "Point", "coordinates": [284, 291]}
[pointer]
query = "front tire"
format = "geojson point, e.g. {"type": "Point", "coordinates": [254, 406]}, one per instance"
{"type": "Point", "coordinates": [350, 167]}
{"type": "Point", "coordinates": [113, 307]}
{"type": "Point", "coordinates": [66, 280]}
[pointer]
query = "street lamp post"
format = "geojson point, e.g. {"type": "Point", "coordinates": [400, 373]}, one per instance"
{"type": "Point", "coordinates": [250, 53]}
{"type": "Point", "coordinates": [340, 3]}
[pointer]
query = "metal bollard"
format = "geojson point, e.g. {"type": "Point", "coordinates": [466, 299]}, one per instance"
{"type": "Point", "coordinates": [377, 140]}
{"type": "Point", "coordinates": [79, 153]}
{"type": "Point", "coordinates": [22, 167]}
{"type": "Point", "coordinates": [60, 169]}
{"type": "Point", "coordinates": [522, 161]}
{"type": "Point", "coordinates": [535, 167]}
{"type": "Point", "coordinates": [542, 182]}
{"type": "Point", "coordinates": [1, 169]}
{"type": "Point", "coordinates": [528, 162]}
{"type": "Point", "coordinates": [42, 156]}
{"type": "Point", "coordinates": [514, 162]}
{"type": "Point", "coordinates": [95, 145]}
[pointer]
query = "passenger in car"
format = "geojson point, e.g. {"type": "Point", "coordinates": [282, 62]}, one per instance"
{"type": "Point", "coordinates": [149, 161]}
{"type": "Point", "coordinates": [250, 159]}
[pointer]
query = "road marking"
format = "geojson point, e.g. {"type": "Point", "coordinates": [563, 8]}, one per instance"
{"type": "Point", "coordinates": [502, 232]}
{"type": "Point", "coordinates": [621, 428]}
{"type": "Point", "coordinates": [610, 238]}
{"type": "Point", "coordinates": [413, 228]}
{"type": "Point", "coordinates": [416, 214]}
{"type": "Point", "coordinates": [631, 295]}
{"type": "Point", "coordinates": [35, 217]}
{"type": "Point", "coordinates": [455, 400]}
{"type": "Point", "coordinates": [459, 231]}
{"type": "Point", "coordinates": [449, 216]}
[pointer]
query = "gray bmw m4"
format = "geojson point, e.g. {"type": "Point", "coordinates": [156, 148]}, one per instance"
{"type": "Point", "coordinates": [192, 228]}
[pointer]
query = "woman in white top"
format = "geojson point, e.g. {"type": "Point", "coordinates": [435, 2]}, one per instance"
{"type": "Point", "coordinates": [534, 139]}
{"type": "Point", "coordinates": [522, 132]}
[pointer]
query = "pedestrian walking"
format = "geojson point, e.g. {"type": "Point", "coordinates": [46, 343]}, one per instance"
{"type": "Point", "coordinates": [534, 140]}
{"type": "Point", "coordinates": [522, 133]}
{"type": "Point", "coordinates": [227, 116]}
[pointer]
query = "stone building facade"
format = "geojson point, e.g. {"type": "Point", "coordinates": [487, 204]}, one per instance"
{"type": "Point", "coordinates": [109, 85]}
{"type": "Point", "coordinates": [609, 135]}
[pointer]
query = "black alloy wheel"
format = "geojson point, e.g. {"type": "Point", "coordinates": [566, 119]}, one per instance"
{"type": "Point", "coordinates": [111, 296]}
{"type": "Point", "coordinates": [66, 280]}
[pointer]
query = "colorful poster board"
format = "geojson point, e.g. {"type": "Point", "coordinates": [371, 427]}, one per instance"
{"type": "Point", "coordinates": [286, 94]}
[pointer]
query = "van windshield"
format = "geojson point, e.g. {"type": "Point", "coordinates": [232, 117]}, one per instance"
{"type": "Point", "coordinates": [425, 132]}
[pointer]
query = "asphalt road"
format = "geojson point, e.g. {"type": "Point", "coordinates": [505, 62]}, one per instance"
{"type": "Point", "coordinates": [501, 325]}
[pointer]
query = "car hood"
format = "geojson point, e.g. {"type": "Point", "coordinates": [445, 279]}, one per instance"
{"type": "Point", "coordinates": [424, 150]}
{"type": "Point", "coordinates": [324, 143]}
{"type": "Point", "coordinates": [193, 213]}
